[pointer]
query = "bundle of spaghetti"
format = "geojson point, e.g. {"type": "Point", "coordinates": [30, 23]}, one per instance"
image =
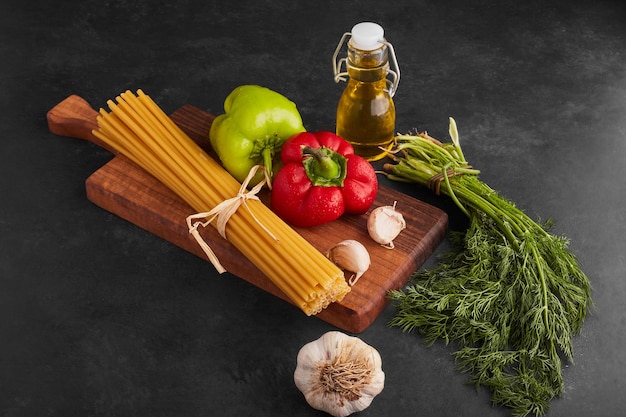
{"type": "Point", "coordinates": [139, 129]}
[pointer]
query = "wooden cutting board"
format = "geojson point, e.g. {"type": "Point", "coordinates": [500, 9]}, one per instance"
{"type": "Point", "coordinates": [126, 190]}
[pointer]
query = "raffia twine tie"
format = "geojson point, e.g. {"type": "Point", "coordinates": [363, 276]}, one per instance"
{"type": "Point", "coordinates": [434, 183]}
{"type": "Point", "coordinates": [222, 212]}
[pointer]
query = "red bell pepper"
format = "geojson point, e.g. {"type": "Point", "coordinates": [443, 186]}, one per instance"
{"type": "Point", "coordinates": [320, 180]}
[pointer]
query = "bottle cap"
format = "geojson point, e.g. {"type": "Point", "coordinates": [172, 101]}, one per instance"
{"type": "Point", "coordinates": [367, 36]}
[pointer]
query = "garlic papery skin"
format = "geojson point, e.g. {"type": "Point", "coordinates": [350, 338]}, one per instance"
{"type": "Point", "coordinates": [384, 224]}
{"type": "Point", "coordinates": [339, 374]}
{"type": "Point", "coordinates": [351, 256]}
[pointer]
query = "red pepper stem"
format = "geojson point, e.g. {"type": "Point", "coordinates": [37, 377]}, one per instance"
{"type": "Point", "coordinates": [323, 166]}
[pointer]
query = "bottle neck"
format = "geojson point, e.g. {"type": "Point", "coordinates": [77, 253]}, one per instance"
{"type": "Point", "coordinates": [367, 66]}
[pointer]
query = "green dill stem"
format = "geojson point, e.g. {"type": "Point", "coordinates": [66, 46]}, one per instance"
{"type": "Point", "coordinates": [498, 215]}
{"type": "Point", "coordinates": [418, 144]}
{"type": "Point", "coordinates": [409, 173]}
{"type": "Point", "coordinates": [479, 198]}
{"type": "Point", "coordinates": [451, 193]}
{"type": "Point", "coordinates": [454, 135]}
{"type": "Point", "coordinates": [544, 288]}
{"type": "Point", "coordinates": [421, 177]}
{"type": "Point", "coordinates": [525, 222]}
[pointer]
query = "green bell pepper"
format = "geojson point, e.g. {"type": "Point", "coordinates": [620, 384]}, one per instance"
{"type": "Point", "coordinates": [256, 123]}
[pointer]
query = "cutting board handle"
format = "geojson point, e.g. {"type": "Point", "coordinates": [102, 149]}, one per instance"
{"type": "Point", "coordinates": [74, 117]}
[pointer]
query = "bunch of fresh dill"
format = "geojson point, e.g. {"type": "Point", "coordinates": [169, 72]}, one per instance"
{"type": "Point", "coordinates": [509, 293]}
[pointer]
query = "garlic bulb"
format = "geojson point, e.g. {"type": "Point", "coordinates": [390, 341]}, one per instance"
{"type": "Point", "coordinates": [352, 256]}
{"type": "Point", "coordinates": [384, 224]}
{"type": "Point", "coordinates": [339, 374]}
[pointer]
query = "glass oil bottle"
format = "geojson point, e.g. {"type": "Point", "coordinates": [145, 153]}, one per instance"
{"type": "Point", "coordinates": [366, 113]}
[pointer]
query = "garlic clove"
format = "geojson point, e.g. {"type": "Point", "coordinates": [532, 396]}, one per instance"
{"type": "Point", "coordinates": [339, 374]}
{"type": "Point", "coordinates": [384, 224]}
{"type": "Point", "coordinates": [351, 256]}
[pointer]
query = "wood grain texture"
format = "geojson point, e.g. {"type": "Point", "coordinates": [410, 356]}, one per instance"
{"type": "Point", "coordinates": [126, 190]}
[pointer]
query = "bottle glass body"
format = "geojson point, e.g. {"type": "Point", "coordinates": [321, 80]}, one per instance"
{"type": "Point", "coordinates": [366, 113]}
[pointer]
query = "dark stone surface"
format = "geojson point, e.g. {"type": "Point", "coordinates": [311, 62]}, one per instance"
{"type": "Point", "coordinates": [99, 318]}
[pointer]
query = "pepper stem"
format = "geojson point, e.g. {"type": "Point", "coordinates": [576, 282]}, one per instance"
{"type": "Point", "coordinates": [323, 166]}
{"type": "Point", "coordinates": [264, 151]}
{"type": "Point", "coordinates": [268, 158]}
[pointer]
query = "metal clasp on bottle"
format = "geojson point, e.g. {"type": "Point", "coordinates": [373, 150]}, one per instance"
{"type": "Point", "coordinates": [392, 84]}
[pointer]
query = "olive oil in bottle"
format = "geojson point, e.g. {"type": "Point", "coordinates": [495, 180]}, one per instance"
{"type": "Point", "coordinates": [366, 113]}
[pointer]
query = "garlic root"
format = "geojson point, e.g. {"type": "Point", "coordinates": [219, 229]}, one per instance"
{"type": "Point", "coordinates": [384, 224]}
{"type": "Point", "coordinates": [339, 374]}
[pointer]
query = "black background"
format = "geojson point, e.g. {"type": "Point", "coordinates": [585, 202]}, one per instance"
{"type": "Point", "coordinates": [100, 318]}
